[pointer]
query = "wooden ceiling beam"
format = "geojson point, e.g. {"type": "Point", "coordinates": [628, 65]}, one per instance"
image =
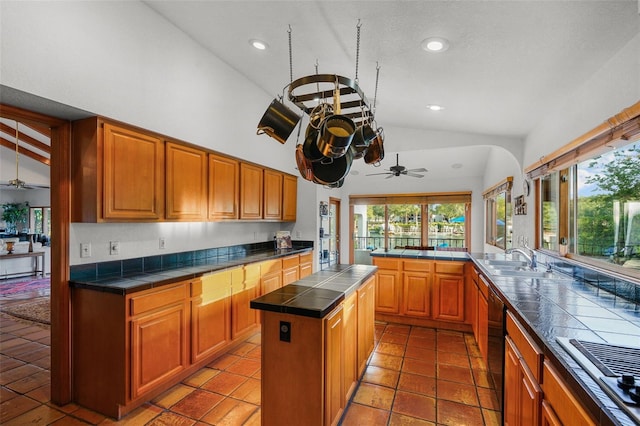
{"type": "Point", "coordinates": [26, 138]}
{"type": "Point", "coordinates": [24, 151]}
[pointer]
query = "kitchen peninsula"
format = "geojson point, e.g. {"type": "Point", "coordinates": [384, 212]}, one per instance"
{"type": "Point", "coordinates": [317, 335]}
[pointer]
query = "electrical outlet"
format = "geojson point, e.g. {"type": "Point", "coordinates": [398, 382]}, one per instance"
{"type": "Point", "coordinates": [114, 247]}
{"type": "Point", "coordinates": [161, 245]}
{"type": "Point", "coordinates": [85, 249]}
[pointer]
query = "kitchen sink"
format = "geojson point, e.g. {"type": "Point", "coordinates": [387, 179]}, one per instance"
{"type": "Point", "coordinates": [504, 262]}
{"type": "Point", "coordinates": [526, 273]}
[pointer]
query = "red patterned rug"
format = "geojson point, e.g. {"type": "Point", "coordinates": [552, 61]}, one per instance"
{"type": "Point", "coordinates": [13, 287]}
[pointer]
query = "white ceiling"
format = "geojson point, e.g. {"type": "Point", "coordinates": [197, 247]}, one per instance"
{"type": "Point", "coordinates": [508, 60]}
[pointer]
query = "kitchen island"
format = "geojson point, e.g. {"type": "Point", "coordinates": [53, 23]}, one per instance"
{"type": "Point", "coordinates": [317, 335]}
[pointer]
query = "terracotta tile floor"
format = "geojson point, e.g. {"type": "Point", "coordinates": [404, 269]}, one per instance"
{"type": "Point", "coordinates": [416, 376]}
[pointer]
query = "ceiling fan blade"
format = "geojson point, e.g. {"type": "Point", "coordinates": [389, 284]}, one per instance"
{"type": "Point", "coordinates": [413, 174]}
{"type": "Point", "coordinates": [421, 169]}
{"type": "Point", "coordinates": [385, 173]}
{"type": "Point", "coordinates": [390, 176]}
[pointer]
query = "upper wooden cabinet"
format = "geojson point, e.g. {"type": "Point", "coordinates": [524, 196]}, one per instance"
{"type": "Point", "coordinates": [289, 198]}
{"type": "Point", "coordinates": [224, 184]}
{"type": "Point", "coordinates": [118, 173]}
{"type": "Point", "coordinates": [186, 183]}
{"type": "Point", "coordinates": [272, 195]}
{"type": "Point", "coordinates": [251, 178]}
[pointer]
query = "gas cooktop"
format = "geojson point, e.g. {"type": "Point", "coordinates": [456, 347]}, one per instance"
{"type": "Point", "coordinates": [616, 368]}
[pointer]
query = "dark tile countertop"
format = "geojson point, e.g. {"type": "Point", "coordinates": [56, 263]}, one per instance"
{"type": "Point", "coordinates": [422, 254]}
{"type": "Point", "coordinates": [131, 283]}
{"type": "Point", "coordinates": [571, 308]}
{"type": "Point", "coordinates": [318, 294]}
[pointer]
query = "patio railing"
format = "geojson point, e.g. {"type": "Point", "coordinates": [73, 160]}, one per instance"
{"type": "Point", "coordinates": [372, 243]}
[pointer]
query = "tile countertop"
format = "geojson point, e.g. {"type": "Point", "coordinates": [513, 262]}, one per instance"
{"type": "Point", "coordinates": [421, 254]}
{"type": "Point", "coordinates": [570, 308]}
{"type": "Point", "coordinates": [125, 284]}
{"type": "Point", "coordinates": [316, 295]}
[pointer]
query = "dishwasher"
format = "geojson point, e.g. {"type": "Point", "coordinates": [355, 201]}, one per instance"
{"type": "Point", "coordinates": [495, 346]}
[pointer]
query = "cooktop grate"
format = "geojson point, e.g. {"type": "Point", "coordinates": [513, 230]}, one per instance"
{"type": "Point", "coordinates": [611, 360]}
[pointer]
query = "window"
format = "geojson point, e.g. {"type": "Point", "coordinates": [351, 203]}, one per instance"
{"type": "Point", "coordinates": [498, 214]}
{"type": "Point", "coordinates": [426, 221]}
{"type": "Point", "coordinates": [40, 221]}
{"type": "Point", "coordinates": [589, 196]}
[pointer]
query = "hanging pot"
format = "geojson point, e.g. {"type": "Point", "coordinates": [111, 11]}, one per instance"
{"type": "Point", "coordinates": [329, 171]}
{"type": "Point", "coordinates": [362, 139]}
{"type": "Point", "coordinates": [304, 165]}
{"type": "Point", "coordinates": [310, 148]}
{"type": "Point", "coordinates": [317, 116]}
{"type": "Point", "coordinates": [375, 151]}
{"type": "Point", "coordinates": [336, 134]}
{"type": "Point", "coordinates": [278, 121]}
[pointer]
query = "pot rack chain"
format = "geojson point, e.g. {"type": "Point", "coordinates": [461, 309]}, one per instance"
{"type": "Point", "coordinates": [375, 92]}
{"type": "Point", "coordinates": [357, 49]}
{"type": "Point", "coordinates": [290, 58]}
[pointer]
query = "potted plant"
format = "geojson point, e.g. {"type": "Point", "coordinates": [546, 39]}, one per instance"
{"type": "Point", "coordinates": [15, 215]}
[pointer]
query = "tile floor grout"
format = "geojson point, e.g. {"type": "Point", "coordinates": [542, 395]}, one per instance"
{"type": "Point", "coordinates": [395, 388]}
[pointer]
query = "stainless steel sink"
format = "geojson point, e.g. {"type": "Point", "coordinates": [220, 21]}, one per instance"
{"type": "Point", "coordinates": [524, 273]}
{"type": "Point", "coordinates": [504, 262]}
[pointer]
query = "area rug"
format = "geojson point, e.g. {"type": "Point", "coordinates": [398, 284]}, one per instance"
{"type": "Point", "coordinates": [38, 310]}
{"type": "Point", "coordinates": [12, 287]}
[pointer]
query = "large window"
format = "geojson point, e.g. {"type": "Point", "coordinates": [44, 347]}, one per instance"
{"type": "Point", "coordinates": [499, 214]}
{"type": "Point", "coordinates": [589, 196]}
{"type": "Point", "coordinates": [417, 221]}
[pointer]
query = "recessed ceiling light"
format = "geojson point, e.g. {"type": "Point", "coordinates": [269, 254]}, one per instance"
{"type": "Point", "coordinates": [258, 44]}
{"type": "Point", "coordinates": [435, 44]}
{"type": "Point", "coordinates": [434, 107]}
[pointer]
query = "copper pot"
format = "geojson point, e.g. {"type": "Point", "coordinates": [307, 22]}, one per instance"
{"type": "Point", "coordinates": [304, 165]}
{"type": "Point", "coordinates": [375, 151]}
{"type": "Point", "coordinates": [278, 121]}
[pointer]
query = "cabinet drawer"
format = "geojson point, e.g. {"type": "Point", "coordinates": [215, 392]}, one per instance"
{"type": "Point", "coordinates": [384, 263]}
{"type": "Point", "coordinates": [450, 268]}
{"type": "Point", "coordinates": [306, 257]}
{"type": "Point", "coordinates": [530, 352]}
{"type": "Point", "coordinates": [290, 262]}
{"type": "Point", "coordinates": [157, 299]}
{"type": "Point", "coordinates": [416, 265]}
{"type": "Point", "coordinates": [270, 266]}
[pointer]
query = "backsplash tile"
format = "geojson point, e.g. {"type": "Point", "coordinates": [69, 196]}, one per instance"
{"type": "Point", "coordinates": [93, 271]}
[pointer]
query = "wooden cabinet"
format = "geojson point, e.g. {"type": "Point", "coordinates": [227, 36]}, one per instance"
{"type": "Point", "coordinates": [186, 183]}
{"type": "Point", "coordinates": [305, 267]}
{"type": "Point", "coordinates": [366, 322]}
{"type": "Point", "coordinates": [158, 338]}
{"type": "Point", "coordinates": [416, 288]}
{"type": "Point", "coordinates": [224, 187]}
{"type": "Point", "coordinates": [483, 318]}
{"type": "Point", "coordinates": [251, 192]}
{"type": "Point", "coordinates": [243, 318]}
{"type": "Point", "coordinates": [290, 269]}
{"type": "Point", "coordinates": [388, 285]}
{"type": "Point", "coordinates": [212, 304]}
{"type": "Point", "coordinates": [448, 291]}
{"type": "Point", "coordinates": [334, 398]}
{"type": "Point", "coordinates": [118, 173]}
{"type": "Point", "coordinates": [272, 209]}
{"type": "Point", "coordinates": [561, 405]}
{"type": "Point", "coordinates": [289, 198]}
{"type": "Point", "coordinates": [270, 275]}
{"type": "Point", "coordinates": [350, 344]}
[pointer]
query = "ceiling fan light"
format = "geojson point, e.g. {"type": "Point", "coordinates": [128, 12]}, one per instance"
{"type": "Point", "coordinates": [434, 107]}
{"type": "Point", "coordinates": [258, 44]}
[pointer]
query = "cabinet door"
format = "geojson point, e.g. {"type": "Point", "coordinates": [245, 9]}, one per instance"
{"type": "Point", "coordinates": [250, 192]}
{"type": "Point", "coordinates": [224, 181]}
{"type": "Point", "coordinates": [474, 309]}
{"type": "Point", "coordinates": [334, 392]}
{"type": "Point", "coordinates": [448, 297]}
{"type": "Point", "coordinates": [158, 348]}
{"type": "Point", "coordinates": [483, 326]}
{"type": "Point", "coordinates": [211, 316]}
{"type": "Point", "coordinates": [270, 283]}
{"type": "Point", "coordinates": [243, 318]}
{"type": "Point", "coordinates": [416, 294]}
{"type": "Point", "coordinates": [512, 380]}
{"type": "Point", "coordinates": [133, 175]}
{"type": "Point", "coordinates": [530, 397]}
{"type": "Point", "coordinates": [290, 276]}
{"type": "Point", "coordinates": [186, 183]}
{"type": "Point", "coordinates": [366, 322]}
{"type": "Point", "coordinates": [350, 334]}
{"type": "Point", "coordinates": [289, 198]}
{"type": "Point", "coordinates": [272, 195]}
{"type": "Point", "coordinates": [388, 291]}
{"type": "Point", "coordinates": [306, 269]}
{"type": "Point", "coordinates": [549, 417]}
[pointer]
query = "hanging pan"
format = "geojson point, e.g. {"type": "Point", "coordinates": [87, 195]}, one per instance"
{"type": "Point", "coordinates": [375, 151]}
{"type": "Point", "coordinates": [278, 121]}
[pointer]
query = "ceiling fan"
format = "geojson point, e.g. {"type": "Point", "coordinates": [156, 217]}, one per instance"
{"type": "Point", "coordinates": [398, 170]}
{"type": "Point", "coordinates": [17, 183]}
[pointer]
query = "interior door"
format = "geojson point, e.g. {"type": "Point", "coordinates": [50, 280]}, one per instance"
{"type": "Point", "coordinates": [334, 229]}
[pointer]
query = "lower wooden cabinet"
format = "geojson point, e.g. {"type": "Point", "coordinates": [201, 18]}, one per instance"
{"type": "Point", "coordinates": [243, 291]}
{"type": "Point", "coordinates": [416, 295]}
{"type": "Point", "coordinates": [388, 285]}
{"type": "Point", "coordinates": [334, 398]}
{"type": "Point", "coordinates": [366, 322]}
{"type": "Point", "coordinates": [448, 291]}
{"type": "Point", "coordinates": [522, 392]}
{"type": "Point", "coordinates": [560, 404]}
{"type": "Point", "coordinates": [350, 344]}
{"type": "Point", "coordinates": [290, 269]}
{"type": "Point", "coordinates": [305, 267]}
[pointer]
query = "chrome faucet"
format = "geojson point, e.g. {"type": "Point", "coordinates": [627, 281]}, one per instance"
{"type": "Point", "coordinates": [532, 259]}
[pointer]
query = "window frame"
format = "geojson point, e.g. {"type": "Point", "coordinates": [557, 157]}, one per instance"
{"type": "Point", "coordinates": [619, 130]}
{"type": "Point", "coordinates": [491, 206]}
